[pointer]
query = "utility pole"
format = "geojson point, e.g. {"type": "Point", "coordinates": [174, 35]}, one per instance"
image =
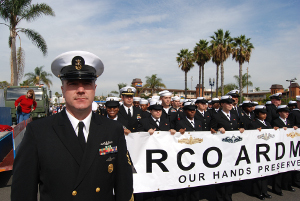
{"type": "Point", "coordinates": [247, 81]}
{"type": "Point", "coordinates": [192, 82]}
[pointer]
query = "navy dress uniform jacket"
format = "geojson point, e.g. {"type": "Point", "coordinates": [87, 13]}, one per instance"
{"type": "Point", "coordinates": [219, 120]}
{"type": "Point", "coordinates": [130, 123]}
{"type": "Point", "coordinates": [50, 156]}
{"type": "Point", "coordinates": [184, 123]}
{"type": "Point", "coordinates": [294, 117]}
{"type": "Point", "coordinates": [257, 124]}
{"type": "Point", "coordinates": [206, 120]}
{"type": "Point", "coordinates": [148, 123]}
{"type": "Point", "coordinates": [245, 120]}
{"type": "Point", "coordinates": [271, 113]}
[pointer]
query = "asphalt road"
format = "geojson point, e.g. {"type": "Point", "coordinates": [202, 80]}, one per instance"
{"type": "Point", "coordinates": [242, 191]}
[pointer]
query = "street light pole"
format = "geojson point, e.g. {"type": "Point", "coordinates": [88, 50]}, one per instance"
{"type": "Point", "coordinates": [291, 81]}
{"type": "Point", "coordinates": [211, 86]}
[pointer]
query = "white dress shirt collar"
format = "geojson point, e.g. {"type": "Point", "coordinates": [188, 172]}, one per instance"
{"type": "Point", "coordinates": [86, 121]}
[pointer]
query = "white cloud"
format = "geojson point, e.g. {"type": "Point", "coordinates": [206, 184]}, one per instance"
{"type": "Point", "coordinates": [138, 39]}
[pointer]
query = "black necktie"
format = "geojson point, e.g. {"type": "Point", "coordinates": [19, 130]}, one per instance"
{"type": "Point", "coordinates": [81, 137]}
{"type": "Point", "coordinates": [192, 123]}
{"type": "Point", "coordinates": [129, 113]}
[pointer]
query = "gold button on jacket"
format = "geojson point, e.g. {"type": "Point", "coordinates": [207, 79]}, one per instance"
{"type": "Point", "coordinates": [74, 193]}
{"type": "Point", "coordinates": [97, 190]}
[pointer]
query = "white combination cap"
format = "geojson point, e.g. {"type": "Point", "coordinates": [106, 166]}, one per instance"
{"type": "Point", "coordinates": [77, 65]}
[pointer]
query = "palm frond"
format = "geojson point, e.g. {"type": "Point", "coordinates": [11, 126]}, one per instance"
{"type": "Point", "coordinates": [37, 10]}
{"type": "Point", "coordinates": [36, 39]}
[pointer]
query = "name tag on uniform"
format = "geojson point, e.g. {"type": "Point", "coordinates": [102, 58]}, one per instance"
{"type": "Point", "coordinates": [108, 150]}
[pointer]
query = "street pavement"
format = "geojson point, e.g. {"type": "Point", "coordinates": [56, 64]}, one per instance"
{"type": "Point", "coordinates": [242, 191]}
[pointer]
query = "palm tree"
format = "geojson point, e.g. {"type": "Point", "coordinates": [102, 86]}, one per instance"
{"type": "Point", "coordinates": [38, 76]}
{"type": "Point", "coordinates": [242, 49]}
{"type": "Point", "coordinates": [202, 55]}
{"type": "Point", "coordinates": [13, 12]}
{"type": "Point", "coordinates": [185, 61]}
{"type": "Point", "coordinates": [245, 80]}
{"type": "Point", "coordinates": [221, 49]}
{"type": "Point", "coordinates": [121, 85]}
{"type": "Point", "coordinates": [154, 82]}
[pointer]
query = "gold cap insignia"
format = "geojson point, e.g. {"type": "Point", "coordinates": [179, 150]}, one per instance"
{"type": "Point", "coordinates": [129, 90]}
{"type": "Point", "coordinates": [78, 65]}
{"type": "Point", "coordinates": [110, 168]}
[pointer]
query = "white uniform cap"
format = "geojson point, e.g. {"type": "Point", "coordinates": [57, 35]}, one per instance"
{"type": "Point", "coordinates": [282, 107]}
{"type": "Point", "coordinates": [298, 98]}
{"type": "Point", "coordinates": [128, 90]}
{"type": "Point", "coordinates": [292, 102]}
{"type": "Point", "coordinates": [155, 102]}
{"type": "Point", "coordinates": [268, 103]}
{"type": "Point", "coordinates": [77, 65]}
{"type": "Point", "coordinates": [260, 107]}
{"type": "Point", "coordinates": [165, 93]}
{"type": "Point", "coordinates": [143, 101]}
{"type": "Point", "coordinates": [175, 98]}
{"type": "Point", "coordinates": [182, 100]}
{"type": "Point", "coordinates": [155, 97]}
{"type": "Point", "coordinates": [112, 99]}
{"type": "Point", "coordinates": [137, 99]}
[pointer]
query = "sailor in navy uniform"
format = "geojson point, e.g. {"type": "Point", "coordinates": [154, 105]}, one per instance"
{"type": "Point", "coordinates": [189, 123]}
{"type": "Point", "coordinates": [202, 115]}
{"type": "Point", "coordinates": [75, 154]}
{"type": "Point", "coordinates": [292, 105]}
{"type": "Point", "coordinates": [215, 106]}
{"type": "Point", "coordinates": [136, 102]}
{"type": "Point", "coordinates": [294, 118]}
{"type": "Point", "coordinates": [271, 109]}
{"type": "Point", "coordinates": [176, 106]}
{"type": "Point", "coordinates": [167, 112]}
{"type": "Point", "coordinates": [282, 180]}
{"type": "Point", "coordinates": [225, 121]}
{"type": "Point", "coordinates": [144, 104]}
{"type": "Point", "coordinates": [128, 114]}
{"type": "Point", "coordinates": [259, 185]}
{"type": "Point", "coordinates": [235, 96]}
{"type": "Point", "coordinates": [246, 116]}
{"type": "Point", "coordinates": [154, 122]}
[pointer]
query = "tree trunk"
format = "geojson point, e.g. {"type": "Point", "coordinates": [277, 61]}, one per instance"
{"type": "Point", "coordinates": [185, 84]}
{"type": "Point", "coordinates": [222, 79]}
{"type": "Point", "coordinates": [14, 69]}
{"type": "Point", "coordinates": [240, 81]}
{"type": "Point", "coordinates": [199, 78]}
{"type": "Point", "coordinates": [217, 80]}
{"type": "Point", "coordinates": [203, 80]}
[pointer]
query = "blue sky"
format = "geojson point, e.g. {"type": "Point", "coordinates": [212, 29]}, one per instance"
{"type": "Point", "coordinates": [139, 38]}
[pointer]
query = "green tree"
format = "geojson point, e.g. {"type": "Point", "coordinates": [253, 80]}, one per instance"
{"type": "Point", "coordinates": [121, 85]}
{"type": "Point", "coordinates": [221, 49]}
{"type": "Point", "coordinates": [39, 75]}
{"type": "Point", "coordinates": [116, 93]}
{"type": "Point", "coordinates": [13, 12]}
{"type": "Point", "coordinates": [26, 83]}
{"type": "Point", "coordinates": [242, 49]}
{"type": "Point", "coordinates": [153, 82]}
{"type": "Point", "coordinates": [202, 55]}
{"type": "Point", "coordinates": [185, 61]}
{"type": "Point", "coordinates": [257, 88]}
{"type": "Point", "coordinates": [245, 81]}
{"type": "Point", "coordinates": [229, 87]}
{"type": "Point", "coordinates": [4, 84]}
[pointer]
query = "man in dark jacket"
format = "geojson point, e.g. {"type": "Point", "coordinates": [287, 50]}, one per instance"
{"type": "Point", "coordinates": [76, 154]}
{"type": "Point", "coordinates": [128, 114]}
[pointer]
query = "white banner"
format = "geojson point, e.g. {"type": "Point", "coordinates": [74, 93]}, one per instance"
{"type": "Point", "coordinates": [163, 161]}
